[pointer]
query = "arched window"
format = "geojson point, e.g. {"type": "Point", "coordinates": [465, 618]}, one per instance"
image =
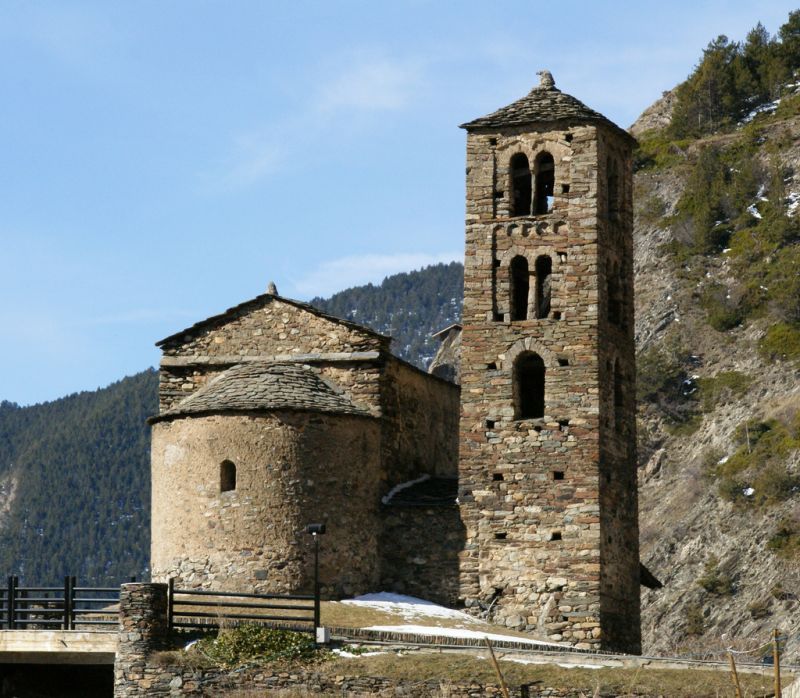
{"type": "Point", "coordinates": [544, 270]}
{"type": "Point", "coordinates": [227, 476]}
{"type": "Point", "coordinates": [528, 386]}
{"type": "Point", "coordinates": [520, 185]}
{"type": "Point", "coordinates": [614, 293]}
{"type": "Point", "coordinates": [520, 286]}
{"type": "Point", "coordinates": [618, 397]}
{"type": "Point", "coordinates": [612, 188]}
{"type": "Point", "coordinates": [545, 173]}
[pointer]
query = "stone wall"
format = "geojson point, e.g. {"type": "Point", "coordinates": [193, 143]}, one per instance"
{"type": "Point", "coordinates": [292, 469]}
{"type": "Point", "coordinates": [159, 680]}
{"type": "Point", "coordinates": [266, 328]}
{"type": "Point", "coordinates": [530, 488]}
{"type": "Point", "coordinates": [420, 424]}
{"type": "Point", "coordinates": [420, 548]}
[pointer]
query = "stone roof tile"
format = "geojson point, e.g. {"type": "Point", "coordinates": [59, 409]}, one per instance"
{"type": "Point", "coordinates": [544, 103]}
{"type": "Point", "coordinates": [257, 386]}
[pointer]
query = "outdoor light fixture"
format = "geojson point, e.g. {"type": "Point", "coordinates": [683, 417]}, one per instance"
{"type": "Point", "coordinates": [316, 530]}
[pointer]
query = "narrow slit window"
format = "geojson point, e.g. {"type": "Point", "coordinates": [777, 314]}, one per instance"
{"type": "Point", "coordinates": [544, 274]}
{"type": "Point", "coordinates": [520, 287]}
{"type": "Point", "coordinates": [227, 476]}
{"type": "Point", "coordinates": [618, 397]}
{"type": "Point", "coordinates": [612, 188]}
{"type": "Point", "coordinates": [614, 293]}
{"type": "Point", "coordinates": [545, 173]}
{"type": "Point", "coordinates": [528, 386]}
{"type": "Point", "coordinates": [520, 185]}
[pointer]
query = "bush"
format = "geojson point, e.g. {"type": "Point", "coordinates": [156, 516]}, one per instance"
{"type": "Point", "coordinates": [759, 609]}
{"type": "Point", "coordinates": [245, 643]}
{"type": "Point", "coordinates": [782, 341]}
{"type": "Point", "coordinates": [658, 370]}
{"type": "Point", "coordinates": [722, 313]}
{"type": "Point", "coordinates": [713, 579]}
{"type": "Point", "coordinates": [722, 387]}
{"type": "Point", "coordinates": [785, 541]}
{"type": "Point", "coordinates": [694, 620]}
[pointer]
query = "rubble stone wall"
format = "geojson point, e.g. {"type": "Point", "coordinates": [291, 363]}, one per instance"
{"type": "Point", "coordinates": [292, 469]}
{"type": "Point", "coordinates": [530, 488]}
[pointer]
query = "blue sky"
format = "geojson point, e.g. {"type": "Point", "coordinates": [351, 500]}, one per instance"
{"type": "Point", "coordinates": [162, 161]}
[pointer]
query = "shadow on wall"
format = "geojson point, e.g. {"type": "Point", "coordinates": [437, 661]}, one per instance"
{"type": "Point", "coordinates": [422, 536]}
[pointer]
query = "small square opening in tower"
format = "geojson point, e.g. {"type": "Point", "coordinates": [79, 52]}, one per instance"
{"type": "Point", "coordinates": [562, 361]}
{"type": "Point", "coordinates": [500, 536]}
{"type": "Point", "coordinates": [491, 366]}
{"type": "Point", "coordinates": [556, 315]}
{"type": "Point", "coordinates": [565, 188]}
{"type": "Point", "coordinates": [489, 423]}
{"type": "Point", "coordinates": [555, 535]}
{"type": "Point", "coordinates": [498, 477]}
{"type": "Point", "coordinates": [497, 317]}
{"type": "Point", "coordinates": [558, 474]}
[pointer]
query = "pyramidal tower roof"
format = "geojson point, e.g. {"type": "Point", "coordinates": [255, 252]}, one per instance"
{"type": "Point", "coordinates": [544, 103]}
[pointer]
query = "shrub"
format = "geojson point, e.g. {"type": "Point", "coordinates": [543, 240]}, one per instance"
{"type": "Point", "coordinates": [722, 387]}
{"type": "Point", "coordinates": [759, 609]}
{"type": "Point", "coordinates": [714, 581]}
{"type": "Point", "coordinates": [658, 370]}
{"type": "Point", "coordinates": [785, 541]}
{"type": "Point", "coordinates": [722, 313]}
{"type": "Point", "coordinates": [694, 620]}
{"type": "Point", "coordinates": [254, 642]}
{"type": "Point", "coordinates": [782, 341]}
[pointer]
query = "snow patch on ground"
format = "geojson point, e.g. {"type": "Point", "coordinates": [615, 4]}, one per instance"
{"type": "Point", "coordinates": [456, 632]}
{"type": "Point", "coordinates": [793, 201]}
{"type": "Point", "coordinates": [353, 655]}
{"type": "Point", "coordinates": [409, 607]}
{"type": "Point", "coordinates": [521, 660]}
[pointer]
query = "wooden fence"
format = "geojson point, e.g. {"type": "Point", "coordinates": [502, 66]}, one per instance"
{"type": "Point", "coordinates": [203, 609]}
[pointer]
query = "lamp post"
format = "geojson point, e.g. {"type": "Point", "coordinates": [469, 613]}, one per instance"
{"type": "Point", "coordinates": [316, 530]}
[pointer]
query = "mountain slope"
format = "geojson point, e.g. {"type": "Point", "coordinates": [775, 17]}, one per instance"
{"type": "Point", "coordinates": [717, 263]}
{"type": "Point", "coordinates": [75, 487]}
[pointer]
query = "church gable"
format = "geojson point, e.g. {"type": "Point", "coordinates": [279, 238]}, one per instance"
{"type": "Point", "coordinates": [268, 328]}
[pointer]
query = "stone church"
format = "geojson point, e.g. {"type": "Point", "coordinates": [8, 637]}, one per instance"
{"type": "Point", "coordinates": [514, 495]}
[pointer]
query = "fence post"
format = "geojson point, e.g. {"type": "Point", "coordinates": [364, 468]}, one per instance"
{"type": "Point", "coordinates": [67, 603]}
{"type": "Point", "coordinates": [12, 592]}
{"type": "Point", "coordinates": [316, 585]}
{"type": "Point", "coordinates": [776, 660]}
{"type": "Point", "coordinates": [170, 601]}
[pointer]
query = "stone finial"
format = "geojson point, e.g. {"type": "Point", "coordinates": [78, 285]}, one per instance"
{"type": "Point", "coordinates": [272, 288]}
{"type": "Point", "coordinates": [546, 81]}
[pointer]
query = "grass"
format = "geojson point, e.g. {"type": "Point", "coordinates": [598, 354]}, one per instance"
{"type": "Point", "coordinates": [457, 668]}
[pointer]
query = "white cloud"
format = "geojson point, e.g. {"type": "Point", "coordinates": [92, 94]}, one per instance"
{"type": "Point", "coordinates": [251, 157]}
{"type": "Point", "coordinates": [371, 83]}
{"type": "Point", "coordinates": [338, 274]}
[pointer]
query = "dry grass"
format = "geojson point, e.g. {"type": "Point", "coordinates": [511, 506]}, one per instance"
{"type": "Point", "coordinates": [344, 615]}
{"type": "Point", "coordinates": [456, 668]}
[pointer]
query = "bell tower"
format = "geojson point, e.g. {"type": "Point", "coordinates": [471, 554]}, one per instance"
{"type": "Point", "coordinates": [547, 462]}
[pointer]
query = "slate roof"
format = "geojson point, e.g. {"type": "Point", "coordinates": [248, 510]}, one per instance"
{"type": "Point", "coordinates": [260, 301]}
{"type": "Point", "coordinates": [258, 386]}
{"type": "Point", "coordinates": [544, 103]}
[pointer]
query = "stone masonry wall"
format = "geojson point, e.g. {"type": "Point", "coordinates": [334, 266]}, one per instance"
{"type": "Point", "coordinates": [619, 521]}
{"type": "Point", "coordinates": [420, 548]}
{"type": "Point", "coordinates": [530, 488]}
{"type": "Point", "coordinates": [420, 424]}
{"type": "Point", "coordinates": [264, 329]}
{"type": "Point", "coordinates": [292, 469]}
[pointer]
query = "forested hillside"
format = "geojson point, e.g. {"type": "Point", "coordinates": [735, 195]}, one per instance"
{"type": "Point", "coordinates": [409, 307]}
{"type": "Point", "coordinates": [717, 263]}
{"type": "Point", "coordinates": [75, 472]}
{"type": "Point", "coordinates": [75, 484]}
